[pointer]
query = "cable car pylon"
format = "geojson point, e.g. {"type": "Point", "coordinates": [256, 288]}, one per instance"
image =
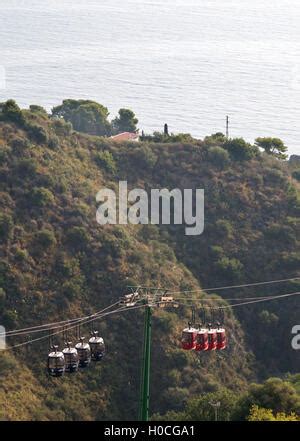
{"type": "Point", "coordinates": [146, 364]}
{"type": "Point", "coordinates": [151, 297]}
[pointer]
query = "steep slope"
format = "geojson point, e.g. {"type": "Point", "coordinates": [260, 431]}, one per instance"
{"type": "Point", "coordinates": [57, 262]}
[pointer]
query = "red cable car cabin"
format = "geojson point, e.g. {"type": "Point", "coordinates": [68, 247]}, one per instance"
{"type": "Point", "coordinates": [221, 339]}
{"type": "Point", "coordinates": [202, 340]}
{"type": "Point", "coordinates": [212, 339]}
{"type": "Point", "coordinates": [188, 340]}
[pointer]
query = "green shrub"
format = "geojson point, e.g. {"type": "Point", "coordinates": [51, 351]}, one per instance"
{"type": "Point", "coordinates": [77, 237]}
{"type": "Point", "coordinates": [38, 109]}
{"type": "Point", "coordinates": [146, 158]}
{"type": "Point", "coordinates": [42, 197]}
{"type": "Point", "coordinates": [6, 227]}
{"type": "Point", "coordinates": [71, 289]}
{"type": "Point", "coordinates": [10, 318]}
{"type": "Point", "coordinates": [4, 154]}
{"type": "Point", "coordinates": [7, 363]}
{"type": "Point", "coordinates": [282, 233]}
{"type": "Point", "coordinates": [274, 176]}
{"type": "Point", "coordinates": [2, 298]}
{"type": "Point", "coordinates": [268, 318]}
{"type": "Point", "coordinates": [12, 112]}
{"type": "Point", "coordinates": [45, 239]}
{"type": "Point", "coordinates": [37, 133]}
{"type": "Point", "coordinates": [27, 167]}
{"type": "Point", "coordinates": [218, 156]}
{"type": "Point", "coordinates": [230, 268]}
{"type": "Point", "coordinates": [106, 160]}
{"type": "Point", "coordinates": [160, 137]}
{"type": "Point", "coordinates": [296, 175]}
{"type": "Point", "coordinates": [291, 261]}
{"type": "Point", "coordinates": [67, 267]}
{"type": "Point", "coordinates": [274, 394]}
{"type": "Point", "coordinates": [61, 127]}
{"type": "Point", "coordinates": [19, 145]}
{"type": "Point", "coordinates": [217, 251]}
{"type": "Point", "coordinates": [240, 150]}
{"type": "Point", "coordinates": [223, 228]}
{"type": "Point", "coordinates": [20, 255]}
{"type": "Point", "coordinates": [53, 142]}
{"type": "Point", "coordinates": [216, 139]}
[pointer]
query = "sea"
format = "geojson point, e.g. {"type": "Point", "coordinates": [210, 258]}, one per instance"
{"type": "Point", "coordinates": [188, 63]}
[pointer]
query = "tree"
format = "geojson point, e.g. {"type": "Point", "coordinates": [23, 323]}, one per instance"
{"type": "Point", "coordinates": [202, 408]}
{"type": "Point", "coordinates": [240, 150]}
{"type": "Point", "coordinates": [6, 227]}
{"type": "Point", "coordinates": [41, 197]}
{"type": "Point", "coordinates": [272, 146]}
{"type": "Point", "coordinates": [12, 112]}
{"type": "Point", "coordinates": [77, 237]}
{"type": "Point", "coordinates": [215, 139]}
{"type": "Point", "coordinates": [218, 156]}
{"type": "Point", "coordinates": [275, 394]}
{"type": "Point", "coordinates": [125, 122]}
{"type": "Point", "coordinates": [106, 160]}
{"type": "Point", "coordinates": [38, 109]}
{"type": "Point", "coordinates": [85, 116]}
{"type": "Point", "coordinates": [37, 133]}
{"type": "Point", "coordinates": [296, 175]}
{"type": "Point", "coordinates": [45, 239]}
{"type": "Point", "coordinates": [262, 414]}
{"type": "Point", "coordinates": [232, 269]}
{"type": "Point", "coordinates": [2, 298]}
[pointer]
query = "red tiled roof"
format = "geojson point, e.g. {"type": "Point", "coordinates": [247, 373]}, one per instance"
{"type": "Point", "coordinates": [125, 136]}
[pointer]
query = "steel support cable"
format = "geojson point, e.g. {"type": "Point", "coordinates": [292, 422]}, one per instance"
{"type": "Point", "coordinates": [70, 321]}
{"type": "Point", "coordinates": [265, 299]}
{"type": "Point", "coordinates": [96, 317]}
{"type": "Point", "coordinates": [208, 299]}
{"type": "Point", "coordinates": [54, 325]}
{"type": "Point", "coordinates": [246, 285]}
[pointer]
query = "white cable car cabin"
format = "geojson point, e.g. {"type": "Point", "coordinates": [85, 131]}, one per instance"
{"type": "Point", "coordinates": [97, 346]}
{"type": "Point", "coordinates": [71, 358]}
{"type": "Point", "coordinates": [84, 353]}
{"type": "Point", "coordinates": [56, 363]}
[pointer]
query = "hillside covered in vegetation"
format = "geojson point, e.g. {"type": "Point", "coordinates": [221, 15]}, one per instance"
{"type": "Point", "coordinates": [56, 262]}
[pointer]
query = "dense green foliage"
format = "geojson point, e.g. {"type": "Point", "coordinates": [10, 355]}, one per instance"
{"type": "Point", "coordinates": [272, 146]}
{"type": "Point", "coordinates": [91, 117]}
{"type": "Point", "coordinates": [84, 115]}
{"type": "Point", "coordinates": [56, 262]}
{"type": "Point", "coordinates": [125, 122]}
{"type": "Point", "coordinates": [274, 400]}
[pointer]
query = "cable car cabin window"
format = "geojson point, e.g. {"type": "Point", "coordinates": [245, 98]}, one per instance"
{"type": "Point", "coordinates": [211, 338]}
{"type": "Point", "coordinates": [187, 337]}
{"type": "Point", "coordinates": [200, 339]}
{"type": "Point", "coordinates": [82, 352]}
{"type": "Point", "coordinates": [96, 346]}
{"type": "Point", "coordinates": [56, 362]}
{"type": "Point", "coordinates": [188, 340]}
{"type": "Point", "coordinates": [71, 357]}
{"type": "Point", "coordinates": [220, 337]}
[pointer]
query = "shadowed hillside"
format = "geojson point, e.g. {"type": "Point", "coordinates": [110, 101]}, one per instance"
{"type": "Point", "coordinates": [56, 262]}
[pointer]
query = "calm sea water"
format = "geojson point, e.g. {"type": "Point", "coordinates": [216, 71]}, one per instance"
{"type": "Point", "coordinates": [185, 62]}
